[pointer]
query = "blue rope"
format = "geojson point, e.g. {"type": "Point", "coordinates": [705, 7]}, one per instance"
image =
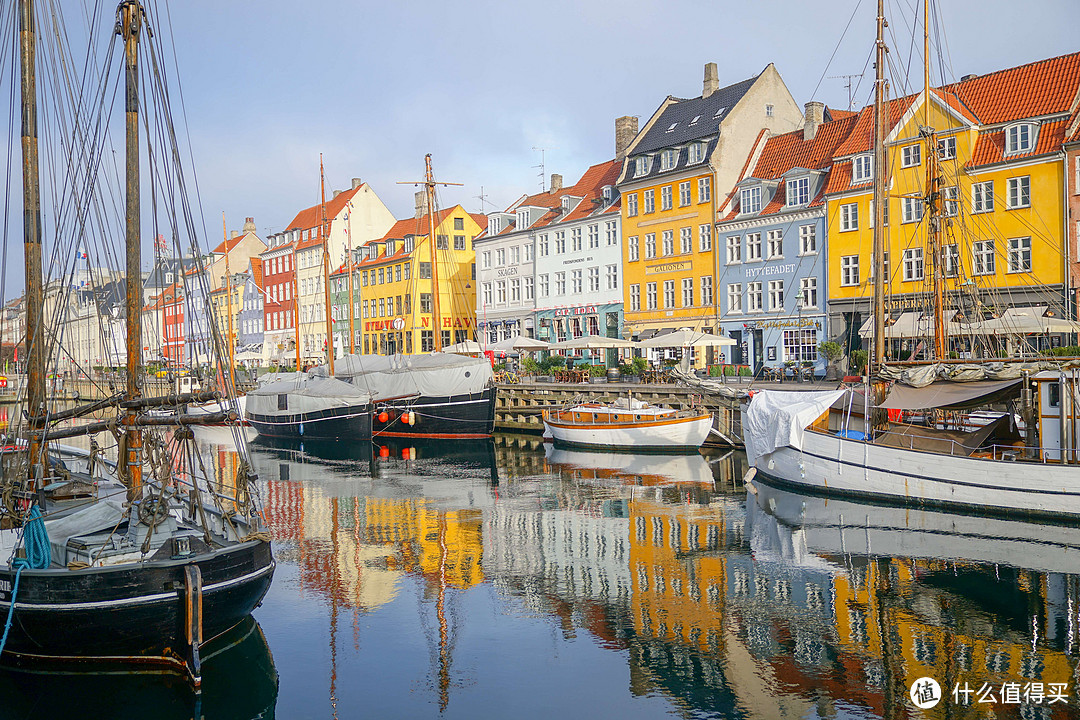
{"type": "Point", "coordinates": [38, 557]}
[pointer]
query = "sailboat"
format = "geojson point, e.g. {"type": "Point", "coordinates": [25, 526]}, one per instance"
{"type": "Point", "coordinates": [146, 557]}
{"type": "Point", "coordinates": [1023, 462]}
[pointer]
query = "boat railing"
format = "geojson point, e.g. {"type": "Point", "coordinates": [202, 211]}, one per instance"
{"type": "Point", "coordinates": [990, 452]}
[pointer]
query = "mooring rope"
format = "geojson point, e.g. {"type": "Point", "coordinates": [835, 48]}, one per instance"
{"type": "Point", "coordinates": [38, 557]}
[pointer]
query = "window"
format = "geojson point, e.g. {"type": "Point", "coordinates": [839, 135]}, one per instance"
{"type": "Point", "coordinates": [545, 285]}
{"type": "Point", "coordinates": [776, 295]}
{"type": "Point", "coordinates": [611, 233]}
{"type": "Point", "coordinates": [500, 292]}
{"type": "Point", "coordinates": [515, 291]}
{"type": "Point", "coordinates": [515, 255]}
{"type": "Point", "coordinates": [950, 258]}
{"type": "Point", "coordinates": [575, 239]}
{"type": "Point", "coordinates": [1019, 194]}
{"type": "Point", "coordinates": [753, 247]}
{"type": "Point", "coordinates": [397, 273]}
{"type": "Point", "coordinates": [734, 248]}
{"type": "Point", "coordinates": [529, 288]}
{"type": "Point", "coordinates": [750, 200]}
{"type": "Point", "coordinates": [734, 298]}
{"type": "Point", "coordinates": [808, 292]}
{"type": "Point", "coordinates": [642, 165]}
{"type": "Point", "coordinates": [754, 297]}
{"type": "Point", "coordinates": [807, 239]}
{"type": "Point", "coordinates": [704, 189]}
{"type": "Point", "coordinates": [911, 155]}
{"type": "Point", "coordinates": [798, 191]}
{"type": "Point", "coordinates": [522, 219]}
{"type": "Point", "coordinates": [459, 242]}
{"type": "Point", "coordinates": [684, 193]}
{"type": "Point", "coordinates": [982, 255]}
{"type": "Point", "coordinates": [560, 283]}
{"type": "Point", "coordinates": [631, 205]}
{"type": "Point", "coordinates": [982, 197]}
{"type": "Point", "coordinates": [648, 201]}
{"type": "Point", "coordinates": [594, 279]}
{"type": "Point", "coordinates": [542, 241]}
{"type": "Point", "coordinates": [425, 302]}
{"type": "Point", "coordinates": [950, 196]}
{"type": "Point", "coordinates": [849, 270]}
{"type": "Point", "coordinates": [382, 277]}
{"type": "Point", "coordinates": [612, 277]}
{"type": "Point", "coordinates": [441, 242]}
{"type": "Point", "coordinates": [487, 295]}
{"type": "Point", "coordinates": [665, 197]}
{"type": "Point", "coordinates": [632, 248]}
{"type": "Point", "coordinates": [705, 237]}
{"type": "Point", "coordinates": [911, 210]}
{"type": "Point", "coordinates": [668, 158]}
{"type": "Point", "coordinates": [560, 242]}
{"type": "Point", "coordinates": [849, 217]}
{"type": "Point", "coordinates": [775, 239]}
{"type": "Point", "coordinates": [768, 111]}
{"type": "Point", "coordinates": [364, 275]}
{"type": "Point", "coordinates": [500, 257]}
{"type": "Point", "coordinates": [706, 290]}
{"type": "Point", "coordinates": [635, 297]}
{"type": "Point", "coordinates": [407, 271]}
{"type": "Point", "coordinates": [946, 148]}
{"type": "Point", "coordinates": [650, 296]}
{"type": "Point", "coordinates": [650, 245]}
{"type": "Point", "coordinates": [862, 168]}
{"type": "Point", "coordinates": [667, 241]}
{"type": "Point", "coordinates": [800, 345]}
{"type": "Point", "coordinates": [1019, 255]}
{"type": "Point", "coordinates": [425, 271]}
{"type": "Point", "coordinates": [669, 293]}
{"type": "Point", "coordinates": [594, 236]}
{"type": "Point", "coordinates": [688, 292]}
{"type": "Point", "coordinates": [686, 240]}
{"type": "Point", "coordinates": [459, 223]}
{"type": "Point", "coordinates": [695, 153]}
{"type": "Point", "coordinates": [1018, 138]}
{"type": "Point", "coordinates": [913, 264]}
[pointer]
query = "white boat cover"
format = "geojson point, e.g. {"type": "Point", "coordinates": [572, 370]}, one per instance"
{"type": "Point", "coordinates": [105, 514]}
{"type": "Point", "coordinates": [394, 376]}
{"type": "Point", "coordinates": [923, 375]}
{"type": "Point", "coordinates": [777, 419]}
{"type": "Point", "coordinates": [307, 395]}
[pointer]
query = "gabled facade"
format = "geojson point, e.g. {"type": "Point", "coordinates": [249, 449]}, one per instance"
{"type": "Point", "coordinates": [678, 169]}
{"type": "Point", "coordinates": [279, 306]}
{"type": "Point", "coordinates": [250, 335]}
{"type": "Point", "coordinates": [173, 345]}
{"type": "Point", "coordinates": [999, 147]}
{"type": "Point", "coordinates": [1071, 174]}
{"type": "Point", "coordinates": [348, 334]}
{"type": "Point", "coordinates": [771, 250]}
{"type": "Point", "coordinates": [408, 287]}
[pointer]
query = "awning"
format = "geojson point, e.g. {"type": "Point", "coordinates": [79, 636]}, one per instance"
{"type": "Point", "coordinates": [905, 325]}
{"type": "Point", "coordinates": [950, 395]}
{"type": "Point", "coordinates": [646, 334]}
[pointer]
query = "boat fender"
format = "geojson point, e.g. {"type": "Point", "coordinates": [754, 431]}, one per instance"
{"type": "Point", "coordinates": [383, 417]}
{"type": "Point", "coordinates": [412, 417]}
{"type": "Point", "coordinates": [384, 452]}
{"type": "Point", "coordinates": [749, 476]}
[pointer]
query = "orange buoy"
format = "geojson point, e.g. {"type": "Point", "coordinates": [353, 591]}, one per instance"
{"type": "Point", "coordinates": [383, 417]}
{"type": "Point", "coordinates": [384, 452]}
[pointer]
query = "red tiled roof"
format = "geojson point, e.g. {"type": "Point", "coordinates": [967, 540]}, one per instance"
{"type": "Point", "coordinates": [1045, 87]}
{"type": "Point", "coordinates": [314, 241]}
{"type": "Point", "coordinates": [840, 178]}
{"type": "Point", "coordinates": [419, 226]}
{"type": "Point", "coordinates": [861, 136]}
{"type": "Point", "coordinates": [312, 216]}
{"type": "Point", "coordinates": [990, 147]}
{"type": "Point", "coordinates": [257, 271]}
{"type": "Point", "coordinates": [790, 150]}
{"type": "Point", "coordinates": [230, 243]}
{"type": "Point", "coordinates": [590, 187]}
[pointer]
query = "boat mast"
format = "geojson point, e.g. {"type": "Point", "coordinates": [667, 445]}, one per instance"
{"type": "Point", "coordinates": [35, 301]}
{"type": "Point", "coordinates": [349, 267]}
{"type": "Point", "coordinates": [296, 301]}
{"type": "Point", "coordinates": [879, 192]}
{"type": "Point", "coordinates": [429, 185]}
{"type": "Point", "coordinates": [228, 290]}
{"type": "Point", "coordinates": [933, 199]}
{"type": "Point", "coordinates": [129, 26]}
{"type": "Point", "coordinates": [326, 270]}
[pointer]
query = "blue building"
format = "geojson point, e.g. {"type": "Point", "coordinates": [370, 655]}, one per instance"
{"type": "Point", "coordinates": [771, 248]}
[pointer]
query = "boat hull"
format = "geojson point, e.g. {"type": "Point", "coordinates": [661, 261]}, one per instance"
{"type": "Point", "coordinates": [131, 610]}
{"type": "Point", "coordinates": [457, 416]}
{"type": "Point", "coordinates": [661, 435]}
{"type": "Point", "coordinates": [852, 468]}
{"type": "Point", "coordinates": [339, 423]}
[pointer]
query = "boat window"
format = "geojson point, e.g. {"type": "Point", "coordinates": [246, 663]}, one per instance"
{"type": "Point", "coordinates": [1054, 397]}
{"type": "Point", "coordinates": [282, 402]}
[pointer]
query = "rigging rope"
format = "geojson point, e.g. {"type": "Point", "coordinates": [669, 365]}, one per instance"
{"type": "Point", "coordinates": [38, 557]}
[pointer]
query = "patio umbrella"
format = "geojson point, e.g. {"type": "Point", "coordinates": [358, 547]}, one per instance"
{"type": "Point", "coordinates": [467, 347]}
{"type": "Point", "coordinates": [593, 342]}
{"type": "Point", "coordinates": [519, 343]}
{"type": "Point", "coordinates": [685, 338]}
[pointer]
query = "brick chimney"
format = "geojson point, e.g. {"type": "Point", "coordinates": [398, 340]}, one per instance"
{"type": "Point", "coordinates": [712, 80]}
{"type": "Point", "coordinates": [556, 182]}
{"type": "Point", "coordinates": [626, 129]}
{"type": "Point", "coordinates": [233, 234]}
{"type": "Point", "coordinates": [812, 119]}
{"type": "Point", "coordinates": [420, 198]}
{"type": "Point", "coordinates": [249, 225]}
{"type": "Point", "coordinates": [356, 182]}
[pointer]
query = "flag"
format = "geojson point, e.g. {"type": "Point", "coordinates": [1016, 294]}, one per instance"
{"type": "Point", "coordinates": [160, 243]}
{"type": "Point", "coordinates": [80, 254]}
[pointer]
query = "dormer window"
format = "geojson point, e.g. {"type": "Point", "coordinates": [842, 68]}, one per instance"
{"type": "Point", "coordinates": [798, 191]}
{"type": "Point", "coordinates": [862, 168]}
{"type": "Point", "coordinates": [668, 159]}
{"type": "Point", "coordinates": [606, 193]}
{"type": "Point", "coordinates": [1019, 138]}
{"type": "Point", "coordinates": [695, 153]}
{"type": "Point", "coordinates": [642, 165]}
{"type": "Point", "coordinates": [408, 244]}
{"type": "Point", "coordinates": [494, 225]}
{"type": "Point", "coordinates": [391, 247]}
{"type": "Point", "coordinates": [522, 219]}
{"type": "Point", "coordinates": [566, 204]}
{"type": "Point", "coordinates": [750, 200]}
{"type": "Point", "coordinates": [169, 278]}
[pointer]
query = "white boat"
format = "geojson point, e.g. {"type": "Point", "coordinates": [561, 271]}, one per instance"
{"type": "Point", "coordinates": [631, 468]}
{"type": "Point", "coordinates": [628, 424]}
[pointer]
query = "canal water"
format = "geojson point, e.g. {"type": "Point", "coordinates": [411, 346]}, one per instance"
{"type": "Point", "coordinates": [508, 579]}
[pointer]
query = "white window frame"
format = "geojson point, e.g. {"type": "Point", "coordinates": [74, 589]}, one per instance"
{"type": "Point", "coordinates": [642, 165]}
{"type": "Point", "coordinates": [911, 155]}
{"type": "Point", "coordinates": [684, 193]}
{"type": "Point", "coordinates": [686, 240]}
{"type": "Point", "coordinates": [982, 258]}
{"type": "Point", "coordinates": [704, 189]}
{"type": "Point", "coordinates": [635, 297]}
{"type": "Point", "coordinates": [862, 168]}
{"type": "Point", "coordinates": [849, 217]}
{"type": "Point", "coordinates": [631, 204]}
{"type": "Point", "coordinates": [755, 301]}
{"type": "Point", "coordinates": [808, 239]}
{"type": "Point", "coordinates": [776, 296]}
{"type": "Point", "coordinates": [1019, 260]}
{"type": "Point", "coordinates": [648, 201]}
{"type": "Point", "coordinates": [612, 276]}
{"type": "Point", "coordinates": [668, 159]}
{"type": "Point", "coordinates": [734, 249]}
{"type": "Point", "coordinates": [808, 288]}
{"type": "Point", "coordinates": [734, 298]}
{"type": "Point", "coordinates": [849, 270]}
{"type": "Point", "coordinates": [665, 197]}
{"type": "Point", "coordinates": [669, 294]}
{"type": "Point", "coordinates": [913, 264]}
{"type": "Point", "coordinates": [688, 292]}
{"type": "Point", "coordinates": [1019, 192]}
{"type": "Point", "coordinates": [753, 247]}
{"type": "Point", "coordinates": [947, 148]}
{"type": "Point", "coordinates": [798, 191]}
{"type": "Point", "coordinates": [911, 210]}
{"type": "Point", "coordinates": [982, 197]}
{"type": "Point", "coordinates": [774, 244]}
{"type": "Point", "coordinates": [750, 200]}
{"type": "Point", "coordinates": [706, 290]}
{"type": "Point", "coordinates": [632, 249]}
{"type": "Point", "coordinates": [1019, 138]}
{"type": "Point", "coordinates": [950, 259]}
{"type": "Point", "coordinates": [705, 237]}
{"type": "Point", "coordinates": [650, 296]}
{"type": "Point", "coordinates": [667, 242]}
{"type": "Point", "coordinates": [650, 245]}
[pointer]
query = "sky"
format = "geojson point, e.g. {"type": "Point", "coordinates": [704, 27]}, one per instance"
{"type": "Point", "coordinates": [268, 85]}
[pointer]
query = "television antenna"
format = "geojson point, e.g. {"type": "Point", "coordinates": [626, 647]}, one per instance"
{"type": "Point", "coordinates": [848, 85]}
{"type": "Point", "coordinates": [543, 174]}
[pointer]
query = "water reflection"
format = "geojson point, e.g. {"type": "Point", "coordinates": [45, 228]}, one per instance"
{"type": "Point", "coordinates": [664, 587]}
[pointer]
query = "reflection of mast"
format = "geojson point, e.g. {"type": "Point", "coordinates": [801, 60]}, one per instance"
{"type": "Point", "coordinates": [334, 584]}
{"type": "Point", "coordinates": [440, 613]}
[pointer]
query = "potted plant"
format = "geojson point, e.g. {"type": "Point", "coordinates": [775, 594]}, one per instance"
{"type": "Point", "coordinates": [832, 351]}
{"type": "Point", "coordinates": [859, 359]}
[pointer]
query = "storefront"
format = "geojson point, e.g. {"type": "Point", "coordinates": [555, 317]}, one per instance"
{"type": "Point", "coordinates": [776, 342]}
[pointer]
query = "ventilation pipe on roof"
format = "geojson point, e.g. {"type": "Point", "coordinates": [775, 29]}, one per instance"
{"type": "Point", "coordinates": [556, 182]}
{"type": "Point", "coordinates": [626, 129]}
{"type": "Point", "coordinates": [812, 119]}
{"type": "Point", "coordinates": [712, 80]}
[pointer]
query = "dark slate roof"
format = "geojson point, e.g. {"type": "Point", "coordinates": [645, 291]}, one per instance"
{"type": "Point", "coordinates": [682, 112]}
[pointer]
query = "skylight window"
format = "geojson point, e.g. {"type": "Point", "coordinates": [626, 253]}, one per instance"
{"type": "Point", "coordinates": [719, 112]}
{"type": "Point", "coordinates": [672, 128]}
{"type": "Point", "coordinates": [694, 121]}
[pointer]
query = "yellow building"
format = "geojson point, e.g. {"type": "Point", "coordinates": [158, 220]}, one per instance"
{"type": "Point", "coordinates": [1000, 182]}
{"type": "Point", "coordinates": [408, 288]}
{"type": "Point", "coordinates": [677, 172]}
{"type": "Point", "coordinates": [221, 302]}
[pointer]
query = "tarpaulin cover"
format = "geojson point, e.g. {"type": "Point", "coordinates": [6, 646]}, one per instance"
{"type": "Point", "coordinates": [397, 376]}
{"type": "Point", "coordinates": [950, 395]}
{"type": "Point", "coordinates": [306, 395]}
{"type": "Point", "coordinates": [923, 375]}
{"type": "Point", "coordinates": [777, 419]}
